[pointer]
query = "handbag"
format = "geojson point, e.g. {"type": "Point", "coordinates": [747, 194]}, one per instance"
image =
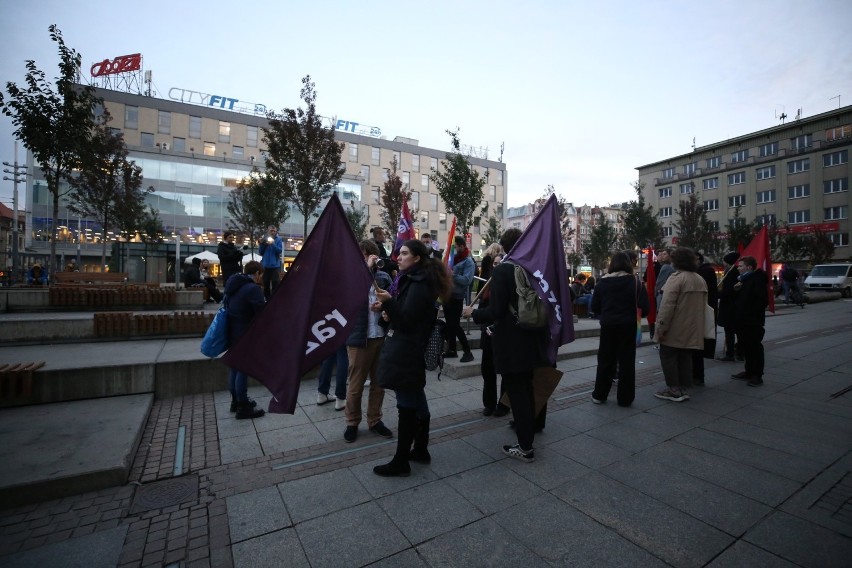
{"type": "Point", "coordinates": [433, 354]}
{"type": "Point", "coordinates": [215, 340]}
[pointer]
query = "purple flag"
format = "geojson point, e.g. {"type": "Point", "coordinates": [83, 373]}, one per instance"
{"type": "Point", "coordinates": [539, 251]}
{"type": "Point", "coordinates": [311, 313]}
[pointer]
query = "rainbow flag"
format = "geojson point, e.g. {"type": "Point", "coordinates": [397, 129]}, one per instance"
{"type": "Point", "coordinates": [450, 251]}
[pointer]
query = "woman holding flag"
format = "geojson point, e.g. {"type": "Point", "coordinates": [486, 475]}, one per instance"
{"type": "Point", "coordinates": [409, 308]}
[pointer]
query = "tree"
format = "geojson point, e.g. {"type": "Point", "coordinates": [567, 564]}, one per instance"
{"type": "Point", "coordinates": [563, 211]}
{"type": "Point", "coordinates": [574, 259]}
{"type": "Point", "coordinates": [302, 155]}
{"type": "Point", "coordinates": [256, 203]}
{"type": "Point", "coordinates": [459, 185]}
{"type": "Point", "coordinates": [738, 230]}
{"type": "Point", "coordinates": [693, 228]}
{"type": "Point", "coordinates": [151, 226]}
{"type": "Point", "coordinates": [55, 124]}
{"type": "Point", "coordinates": [393, 196]}
{"type": "Point", "coordinates": [641, 226]}
{"type": "Point", "coordinates": [601, 243]}
{"type": "Point", "coordinates": [820, 246]}
{"type": "Point", "coordinates": [108, 187]}
{"type": "Point", "coordinates": [358, 220]}
{"type": "Point", "coordinates": [493, 231]}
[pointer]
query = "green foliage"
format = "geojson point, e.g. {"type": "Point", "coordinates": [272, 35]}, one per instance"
{"type": "Point", "coordinates": [573, 259]}
{"type": "Point", "coordinates": [459, 185]}
{"type": "Point", "coordinates": [601, 243]}
{"type": "Point", "coordinates": [821, 248]}
{"type": "Point", "coordinates": [641, 226]}
{"type": "Point", "coordinates": [358, 221]}
{"type": "Point", "coordinates": [693, 229]}
{"type": "Point", "coordinates": [257, 202]}
{"type": "Point", "coordinates": [393, 196]}
{"type": "Point", "coordinates": [302, 155]}
{"type": "Point", "coordinates": [738, 230]}
{"type": "Point", "coordinates": [564, 214]}
{"type": "Point", "coordinates": [53, 121]}
{"type": "Point", "coordinates": [493, 231]}
{"type": "Point", "coordinates": [817, 248]}
{"type": "Point", "coordinates": [151, 226]}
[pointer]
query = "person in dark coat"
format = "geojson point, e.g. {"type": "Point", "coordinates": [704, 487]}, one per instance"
{"type": "Point", "coordinates": [615, 300]}
{"type": "Point", "coordinates": [725, 315]}
{"type": "Point", "coordinates": [517, 351]}
{"type": "Point", "coordinates": [708, 273]}
{"type": "Point", "coordinates": [491, 407]}
{"type": "Point", "coordinates": [409, 309]}
{"type": "Point", "coordinates": [750, 301]}
{"type": "Point", "coordinates": [229, 256]}
{"type": "Point", "coordinates": [243, 300]}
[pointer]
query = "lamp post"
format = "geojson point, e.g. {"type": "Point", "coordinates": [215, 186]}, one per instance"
{"type": "Point", "coordinates": [19, 175]}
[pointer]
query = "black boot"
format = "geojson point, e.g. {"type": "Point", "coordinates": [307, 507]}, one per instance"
{"type": "Point", "coordinates": [398, 466]}
{"type": "Point", "coordinates": [247, 411]}
{"type": "Point", "coordinates": [419, 453]}
{"type": "Point", "coordinates": [235, 404]}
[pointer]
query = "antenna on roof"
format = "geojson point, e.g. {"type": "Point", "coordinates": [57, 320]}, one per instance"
{"type": "Point", "coordinates": [783, 116]}
{"type": "Point", "coordinates": [693, 143]}
{"type": "Point", "coordinates": [838, 100]}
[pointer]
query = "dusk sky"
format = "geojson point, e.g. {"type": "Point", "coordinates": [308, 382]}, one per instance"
{"type": "Point", "coordinates": [580, 93]}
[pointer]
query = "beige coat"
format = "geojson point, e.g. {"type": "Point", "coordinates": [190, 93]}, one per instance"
{"type": "Point", "coordinates": [680, 321]}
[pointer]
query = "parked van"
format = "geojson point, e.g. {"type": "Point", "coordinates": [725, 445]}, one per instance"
{"type": "Point", "coordinates": [831, 277]}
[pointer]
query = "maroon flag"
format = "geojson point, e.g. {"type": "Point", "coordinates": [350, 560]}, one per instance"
{"type": "Point", "coordinates": [539, 251]}
{"type": "Point", "coordinates": [405, 232]}
{"type": "Point", "coordinates": [311, 313]}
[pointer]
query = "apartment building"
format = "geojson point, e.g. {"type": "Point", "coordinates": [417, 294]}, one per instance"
{"type": "Point", "coordinates": [797, 173]}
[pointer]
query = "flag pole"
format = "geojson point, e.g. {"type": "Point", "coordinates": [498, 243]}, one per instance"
{"type": "Point", "coordinates": [481, 290]}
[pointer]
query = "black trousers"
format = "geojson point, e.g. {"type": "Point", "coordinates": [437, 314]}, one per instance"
{"type": "Point", "coordinates": [519, 387]}
{"type": "Point", "coordinates": [617, 350]}
{"type": "Point", "coordinates": [453, 312]}
{"type": "Point", "coordinates": [271, 277]}
{"type": "Point", "coordinates": [751, 340]}
{"type": "Point", "coordinates": [489, 375]}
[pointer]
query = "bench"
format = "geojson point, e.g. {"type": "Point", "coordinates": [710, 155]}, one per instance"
{"type": "Point", "coordinates": [16, 380]}
{"type": "Point", "coordinates": [90, 278]}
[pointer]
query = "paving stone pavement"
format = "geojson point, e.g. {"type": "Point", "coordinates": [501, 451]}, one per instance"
{"type": "Point", "coordinates": [736, 476]}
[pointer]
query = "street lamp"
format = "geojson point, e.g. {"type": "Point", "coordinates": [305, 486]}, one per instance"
{"type": "Point", "coordinates": [19, 175]}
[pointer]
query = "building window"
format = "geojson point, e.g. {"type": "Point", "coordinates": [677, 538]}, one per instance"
{"type": "Point", "coordinates": [665, 192]}
{"type": "Point", "coordinates": [797, 166]}
{"type": "Point", "coordinates": [424, 182]}
{"type": "Point", "coordinates": [736, 200]}
{"type": "Point", "coordinates": [374, 194]}
{"type": "Point", "coordinates": [365, 172]}
{"type": "Point", "coordinates": [737, 222]}
{"type": "Point", "coordinates": [736, 179]}
{"type": "Point", "coordinates": [499, 176]}
{"type": "Point", "coordinates": [801, 142]}
{"type": "Point", "coordinates": [835, 213]}
{"type": "Point", "coordinates": [835, 185]}
{"type": "Point", "coordinates": [406, 178]}
{"type": "Point", "coordinates": [769, 149]}
{"type": "Point", "coordinates": [767, 196]}
{"type": "Point", "coordinates": [442, 221]}
{"type": "Point", "coordinates": [794, 217]}
{"type": "Point", "coordinates": [415, 200]}
{"type": "Point", "coordinates": [712, 183]}
{"type": "Point", "coordinates": [492, 192]}
{"type": "Point", "coordinates": [714, 162]}
{"type": "Point", "coordinates": [665, 211]}
{"type": "Point", "coordinates": [164, 122]}
{"type": "Point", "coordinates": [667, 231]}
{"type": "Point", "coordinates": [799, 191]}
{"type": "Point", "coordinates": [765, 173]}
{"type": "Point", "coordinates": [195, 127]}
{"type": "Point", "coordinates": [835, 158]}
{"type": "Point", "coordinates": [768, 219]}
{"type": "Point", "coordinates": [689, 169]}
{"type": "Point", "coordinates": [839, 239]}
{"type": "Point", "coordinates": [225, 132]}
{"type": "Point", "coordinates": [838, 133]}
{"type": "Point", "coordinates": [711, 205]}
{"type": "Point", "coordinates": [251, 136]}
{"type": "Point", "coordinates": [687, 188]}
{"type": "Point", "coordinates": [739, 156]}
{"type": "Point", "coordinates": [415, 162]}
{"type": "Point", "coordinates": [179, 144]}
{"type": "Point", "coordinates": [433, 164]}
{"type": "Point", "coordinates": [353, 152]}
{"type": "Point", "coordinates": [147, 140]}
{"type": "Point", "coordinates": [131, 117]}
{"type": "Point", "coordinates": [433, 202]}
{"type": "Point", "coordinates": [237, 152]}
{"type": "Point", "coordinates": [209, 149]}
{"type": "Point", "coordinates": [668, 173]}
{"type": "Point", "coordinates": [424, 222]}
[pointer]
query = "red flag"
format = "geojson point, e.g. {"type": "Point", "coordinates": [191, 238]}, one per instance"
{"type": "Point", "coordinates": [405, 231]}
{"type": "Point", "coordinates": [759, 249]}
{"type": "Point", "coordinates": [449, 252]}
{"type": "Point", "coordinates": [539, 251]}
{"type": "Point", "coordinates": [310, 314]}
{"type": "Point", "coordinates": [650, 284]}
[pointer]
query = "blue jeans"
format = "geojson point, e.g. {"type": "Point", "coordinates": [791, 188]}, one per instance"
{"type": "Point", "coordinates": [341, 357]}
{"type": "Point", "coordinates": [238, 385]}
{"type": "Point", "coordinates": [415, 399]}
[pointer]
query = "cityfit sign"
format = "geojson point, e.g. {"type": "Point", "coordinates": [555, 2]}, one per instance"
{"type": "Point", "coordinates": [121, 64]}
{"type": "Point", "coordinates": [218, 101]}
{"type": "Point", "coordinates": [354, 127]}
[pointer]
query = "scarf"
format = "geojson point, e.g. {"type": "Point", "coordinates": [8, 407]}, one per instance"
{"type": "Point", "coordinates": [460, 256]}
{"type": "Point", "coordinates": [394, 287]}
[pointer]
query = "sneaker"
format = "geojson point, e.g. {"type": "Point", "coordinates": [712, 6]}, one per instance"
{"type": "Point", "coordinates": [684, 395]}
{"type": "Point", "coordinates": [669, 394]}
{"type": "Point", "coordinates": [755, 382]}
{"type": "Point", "coordinates": [350, 434]}
{"type": "Point", "coordinates": [450, 355]}
{"type": "Point", "coordinates": [596, 401]}
{"type": "Point", "coordinates": [467, 357]}
{"type": "Point", "coordinates": [324, 398]}
{"type": "Point", "coordinates": [517, 453]}
{"type": "Point", "coordinates": [246, 411]}
{"type": "Point", "coordinates": [381, 430]}
{"type": "Point", "coordinates": [339, 404]}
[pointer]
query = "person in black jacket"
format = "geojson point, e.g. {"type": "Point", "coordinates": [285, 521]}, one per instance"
{"type": "Point", "coordinates": [708, 273]}
{"type": "Point", "coordinates": [243, 300]}
{"type": "Point", "coordinates": [725, 315]}
{"type": "Point", "coordinates": [616, 297]}
{"type": "Point", "coordinates": [517, 351]}
{"type": "Point", "coordinates": [750, 301]}
{"type": "Point", "coordinates": [409, 307]}
{"type": "Point", "coordinates": [229, 256]}
{"type": "Point", "coordinates": [491, 407]}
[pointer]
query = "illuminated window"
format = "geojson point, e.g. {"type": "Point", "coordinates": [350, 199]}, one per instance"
{"type": "Point", "coordinates": [224, 132]}
{"type": "Point", "coordinates": [209, 149]}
